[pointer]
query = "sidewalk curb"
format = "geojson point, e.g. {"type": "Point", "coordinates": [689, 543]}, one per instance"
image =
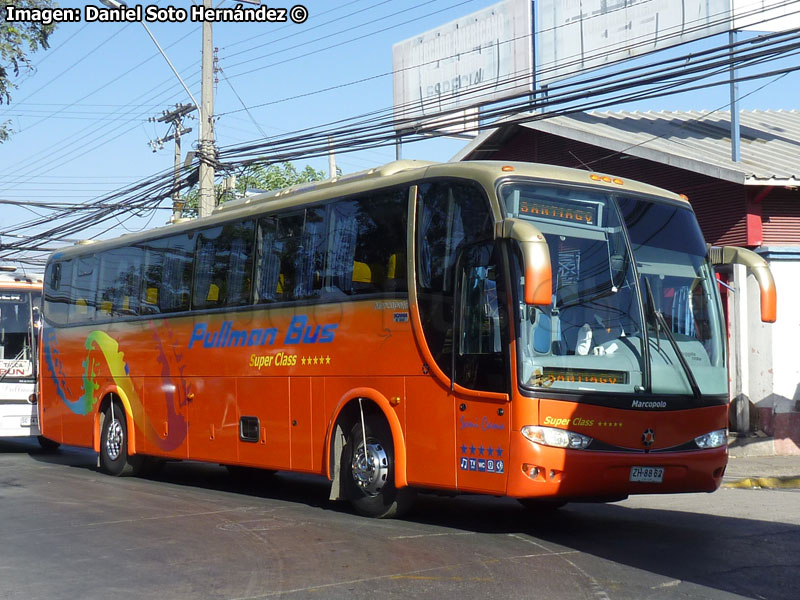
{"type": "Point", "coordinates": [770, 483]}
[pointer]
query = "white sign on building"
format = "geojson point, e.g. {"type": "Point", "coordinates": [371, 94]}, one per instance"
{"type": "Point", "coordinates": [766, 15]}
{"type": "Point", "coordinates": [577, 35]}
{"type": "Point", "coordinates": [483, 57]}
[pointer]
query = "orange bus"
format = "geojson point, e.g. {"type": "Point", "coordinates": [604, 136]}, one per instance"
{"type": "Point", "coordinates": [20, 304]}
{"type": "Point", "coordinates": [514, 329]}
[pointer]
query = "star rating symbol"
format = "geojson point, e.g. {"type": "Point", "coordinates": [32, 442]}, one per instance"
{"type": "Point", "coordinates": [482, 450]}
{"type": "Point", "coordinates": [315, 360]}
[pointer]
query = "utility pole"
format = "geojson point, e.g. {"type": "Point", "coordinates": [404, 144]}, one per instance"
{"type": "Point", "coordinates": [207, 151]}
{"type": "Point", "coordinates": [331, 158]}
{"type": "Point", "coordinates": [736, 146]}
{"type": "Point", "coordinates": [175, 118]}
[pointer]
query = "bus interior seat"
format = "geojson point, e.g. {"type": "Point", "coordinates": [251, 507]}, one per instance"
{"type": "Point", "coordinates": [105, 308]}
{"type": "Point", "coordinates": [150, 305]}
{"type": "Point", "coordinates": [396, 272]}
{"type": "Point", "coordinates": [213, 294]}
{"type": "Point", "coordinates": [366, 276]}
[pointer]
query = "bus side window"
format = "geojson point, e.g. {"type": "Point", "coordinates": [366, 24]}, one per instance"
{"type": "Point", "coordinates": [120, 279]}
{"type": "Point", "coordinates": [381, 234]}
{"type": "Point", "coordinates": [223, 266]}
{"type": "Point", "coordinates": [84, 290]}
{"type": "Point", "coordinates": [288, 244]}
{"type": "Point", "coordinates": [450, 215]}
{"type": "Point", "coordinates": [310, 259]}
{"type": "Point", "coordinates": [58, 289]}
{"type": "Point", "coordinates": [343, 272]}
{"type": "Point", "coordinates": [153, 265]}
{"type": "Point", "coordinates": [328, 252]}
{"type": "Point", "coordinates": [481, 323]}
{"type": "Point", "coordinates": [176, 273]}
{"type": "Point", "coordinates": [268, 282]}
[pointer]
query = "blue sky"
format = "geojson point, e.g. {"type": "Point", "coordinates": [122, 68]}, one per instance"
{"type": "Point", "coordinates": [81, 117]}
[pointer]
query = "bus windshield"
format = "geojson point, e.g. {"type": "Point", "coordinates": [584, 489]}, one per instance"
{"type": "Point", "coordinates": [15, 336]}
{"type": "Point", "coordinates": [634, 302]}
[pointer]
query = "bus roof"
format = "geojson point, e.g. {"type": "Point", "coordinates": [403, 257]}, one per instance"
{"type": "Point", "coordinates": [486, 172]}
{"type": "Point", "coordinates": [20, 281]}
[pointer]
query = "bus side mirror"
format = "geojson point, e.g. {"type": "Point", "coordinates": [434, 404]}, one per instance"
{"type": "Point", "coordinates": [535, 258]}
{"type": "Point", "coordinates": [729, 255]}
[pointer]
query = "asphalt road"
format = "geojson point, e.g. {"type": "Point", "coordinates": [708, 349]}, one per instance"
{"type": "Point", "coordinates": [194, 531]}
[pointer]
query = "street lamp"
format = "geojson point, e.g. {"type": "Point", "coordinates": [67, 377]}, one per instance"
{"type": "Point", "coordinates": [204, 111]}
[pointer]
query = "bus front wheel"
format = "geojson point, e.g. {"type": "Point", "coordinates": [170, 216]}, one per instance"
{"type": "Point", "coordinates": [368, 471]}
{"type": "Point", "coordinates": [114, 458]}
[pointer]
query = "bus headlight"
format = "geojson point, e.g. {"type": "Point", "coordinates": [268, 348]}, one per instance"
{"type": "Point", "coordinates": [715, 439]}
{"type": "Point", "coordinates": [558, 438]}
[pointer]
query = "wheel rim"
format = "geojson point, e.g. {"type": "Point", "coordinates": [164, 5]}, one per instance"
{"type": "Point", "coordinates": [371, 472]}
{"type": "Point", "coordinates": [114, 437]}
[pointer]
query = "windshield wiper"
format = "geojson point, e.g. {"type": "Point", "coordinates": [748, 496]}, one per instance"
{"type": "Point", "coordinates": [661, 323]}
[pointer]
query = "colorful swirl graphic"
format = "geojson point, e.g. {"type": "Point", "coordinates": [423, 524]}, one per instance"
{"type": "Point", "coordinates": [103, 351]}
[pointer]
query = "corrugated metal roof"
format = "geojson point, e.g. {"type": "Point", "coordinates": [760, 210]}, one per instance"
{"type": "Point", "coordinates": [698, 141]}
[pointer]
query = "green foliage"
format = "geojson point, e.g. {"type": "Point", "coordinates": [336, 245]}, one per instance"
{"type": "Point", "coordinates": [275, 177]}
{"type": "Point", "coordinates": [256, 177]}
{"type": "Point", "coordinates": [17, 41]}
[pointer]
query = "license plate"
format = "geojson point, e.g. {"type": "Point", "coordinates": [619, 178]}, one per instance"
{"type": "Point", "coordinates": [647, 474]}
{"type": "Point", "coordinates": [27, 421]}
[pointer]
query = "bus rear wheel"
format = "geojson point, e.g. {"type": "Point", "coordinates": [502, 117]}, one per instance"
{"type": "Point", "coordinates": [368, 471]}
{"type": "Point", "coordinates": [114, 458]}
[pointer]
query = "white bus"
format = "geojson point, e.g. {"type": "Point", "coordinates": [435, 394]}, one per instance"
{"type": "Point", "coordinates": [20, 301]}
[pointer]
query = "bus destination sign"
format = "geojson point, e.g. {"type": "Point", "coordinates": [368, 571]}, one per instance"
{"type": "Point", "coordinates": [585, 214]}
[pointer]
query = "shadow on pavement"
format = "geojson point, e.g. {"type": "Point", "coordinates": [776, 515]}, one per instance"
{"type": "Point", "coordinates": [723, 553]}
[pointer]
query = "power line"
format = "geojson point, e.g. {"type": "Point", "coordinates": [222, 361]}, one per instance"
{"type": "Point", "coordinates": [348, 30]}
{"type": "Point", "coordinates": [570, 92]}
{"type": "Point", "coordinates": [376, 129]}
{"type": "Point", "coordinates": [147, 196]}
{"type": "Point", "coordinates": [306, 29]}
{"type": "Point", "coordinates": [543, 69]}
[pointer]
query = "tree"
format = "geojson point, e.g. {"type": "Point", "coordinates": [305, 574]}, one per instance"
{"type": "Point", "coordinates": [259, 177]}
{"type": "Point", "coordinates": [17, 41]}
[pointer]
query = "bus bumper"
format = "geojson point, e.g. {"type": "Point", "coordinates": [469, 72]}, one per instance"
{"type": "Point", "coordinates": [542, 471]}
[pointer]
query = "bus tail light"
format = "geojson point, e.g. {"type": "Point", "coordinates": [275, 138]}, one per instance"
{"type": "Point", "coordinates": [557, 438]}
{"type": "Point", "coordinates": [714, 439]}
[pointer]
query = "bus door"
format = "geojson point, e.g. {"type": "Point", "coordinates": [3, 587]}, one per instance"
{"type": "Point", "coordinates": [480, 370]}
